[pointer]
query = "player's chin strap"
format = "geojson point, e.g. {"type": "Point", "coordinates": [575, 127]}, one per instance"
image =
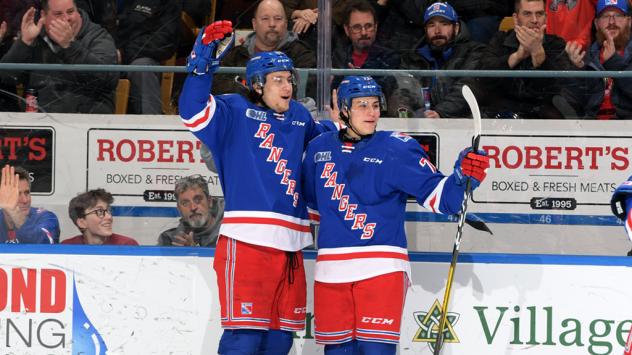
{"type": "Point", "coordinates": [346, 137]}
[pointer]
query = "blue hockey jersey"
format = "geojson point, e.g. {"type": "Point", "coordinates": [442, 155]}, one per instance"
{"type": "Point", "coordinates": [258, 155]}
{"type": "Point", "coordinates": [360, 191]}
{"type": "Point", "coordinates": [40, 227]}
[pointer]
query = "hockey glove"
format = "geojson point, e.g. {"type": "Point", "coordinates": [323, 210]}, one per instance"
{"type": "Point", "coordinates": [211, 45]}
{"type": "Point", "coordinates": [472, 166]}
{"type": "Point", "coordinates": [618, 200]}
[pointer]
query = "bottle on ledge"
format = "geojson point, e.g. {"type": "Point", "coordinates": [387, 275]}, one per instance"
{"type": "Point", "coordinates": [30, 98]}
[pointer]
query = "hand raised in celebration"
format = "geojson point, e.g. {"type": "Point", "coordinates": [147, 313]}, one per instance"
{"type": "Point", "coordinates": [608, 46]}
{"type": "Point", "coordinates": [9, 191]}
{"type": "Point", "coordinates": [29, 30]}
{"type": "Point", "coordinates": [3, 30]}
{"type": "Point", "coordinates": [334, 112]}
{"type": "Point", "coordinates": [213, 42]}
{"type": "Point", "coordinates": [575, 53]}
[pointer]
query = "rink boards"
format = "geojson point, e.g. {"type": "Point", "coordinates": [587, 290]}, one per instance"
{"type": "Point", "coordinates": [151, 300]}
{"type": "Point", "coordinates": [548, 190]}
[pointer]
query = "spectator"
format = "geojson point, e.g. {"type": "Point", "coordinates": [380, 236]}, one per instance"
{"type": "Point", "coordinates": [608, 98]}
{"type": "Point", "coordinates": [201, 215]}
{"type": "Point", "coordinates": [147, 33]}
{"type": "Point", "coordinates": [446, 45]}
{"type": "Point", "coordinates": [270, 34]}
{"type": "Point", "coordinates": [526, 47]}
{"type": "Point", "coordinates": [257, 142]}
{"type": "Point", "coordinates": [64, 35]}
{"type": "Point", "coordinates": [8, 102]}
{"type": "Point", "coordinates": [91, 212]}
{"type": "Point", "coordinates": [11, 12]}
{"type": "Point", "coordinates": [571, 20]}
{"type": "Point", "coordinates": [360, 50]}
{"type": "Point", "coordinates": [362, 205]}
{"type": "Point", "coordinates": [19, 222]}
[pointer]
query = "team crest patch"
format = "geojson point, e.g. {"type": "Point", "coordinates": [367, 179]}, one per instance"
{"type": "Point", "coordinates": [322, 156]}
{"type": "Point", "coordinates": [246, 308]}
{"type": "Point", "coordinates": [401, 136]}
{"type": "Point", "coordinates": [256, 115]}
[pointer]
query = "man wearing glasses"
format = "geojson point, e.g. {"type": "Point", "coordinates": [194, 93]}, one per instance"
{"type": "Point", "coordinates": [608, 98]}
{"type": "Point", "coordinates": [91, 213]}
{"type": "Point", "coordinates": [361, 51]}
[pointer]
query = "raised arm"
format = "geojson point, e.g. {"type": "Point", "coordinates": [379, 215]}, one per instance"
{"type": "Point", "coordinates": [210, 46]}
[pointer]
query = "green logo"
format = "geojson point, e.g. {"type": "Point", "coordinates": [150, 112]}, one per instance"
{"type": "Point", "coordinates": [429, 326]}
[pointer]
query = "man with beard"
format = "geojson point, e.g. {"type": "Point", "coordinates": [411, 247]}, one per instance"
{"type": "Point", "coordinates": [201, 215]}
{"type": "Point", "coordinates": [446, 45]}
{"type": "Point", "coordinates": [526, 47]}
{"type": "Point", "coordinates": [607, 98]}
{"type": "Point", "coordinates": [91, 212]}
{"type": "Point", "coordinates": [270, 33]}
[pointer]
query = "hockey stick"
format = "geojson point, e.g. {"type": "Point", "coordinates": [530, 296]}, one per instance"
{"type": "Point", "coordinates": [476, 116]}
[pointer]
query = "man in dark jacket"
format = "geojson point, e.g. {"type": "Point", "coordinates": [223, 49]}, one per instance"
{"type": "Point", "coordinates": [527, 47]}
{"type": "Point", "coordinates": [64, 35]}
{"type": "Point", "coordinates": [606, 98]}
{"type": "Point", "coordinates": [446, 45]}
{"type": "Point", "coordinates": [359, 49]}
{"type": "Point", "coordinates": [147, 33]}
{"type": "Point", "coordinates": [201, 215]}
{"type": "Point", "coordinates": [270, 34]}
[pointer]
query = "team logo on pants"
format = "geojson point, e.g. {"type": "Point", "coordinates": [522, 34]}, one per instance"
{"type": "Point", "coordinates": [428, 323]}
{"type": "Point", "coordinates": [246, 308]}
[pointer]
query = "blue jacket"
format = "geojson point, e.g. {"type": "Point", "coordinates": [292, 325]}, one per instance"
{"type": "Point", "coordinates": [621, 87]}
{"type": "Point", "coordinates": [40, 227]}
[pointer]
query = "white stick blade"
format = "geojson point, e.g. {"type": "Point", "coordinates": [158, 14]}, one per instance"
{"type": "Point", "coordinates": [476, 112]}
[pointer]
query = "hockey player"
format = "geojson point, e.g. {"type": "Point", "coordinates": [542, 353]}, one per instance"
{"type": "Point", "coordinates": [621, 204]}
{"type": "Point", "coordinates": [257, 143]}
{"type": "Point", "coordinates": [358, 180]}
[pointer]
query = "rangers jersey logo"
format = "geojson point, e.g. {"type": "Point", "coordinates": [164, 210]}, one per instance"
{"type": "Point", "coordinates": [401, 136]}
